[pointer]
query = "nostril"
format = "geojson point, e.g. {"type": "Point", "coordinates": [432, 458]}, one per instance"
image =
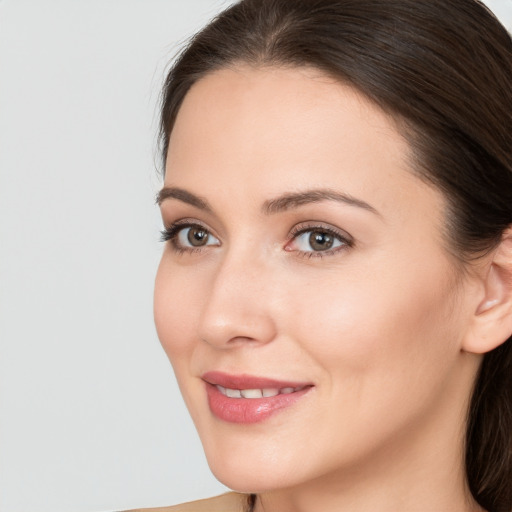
{"type": "Point", "coordinates": [230, 341]}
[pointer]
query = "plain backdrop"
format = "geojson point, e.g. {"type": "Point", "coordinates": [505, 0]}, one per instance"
{"type": "Point", "coordinates": [90, 414]}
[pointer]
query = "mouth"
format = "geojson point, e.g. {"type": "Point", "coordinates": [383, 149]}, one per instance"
{"type": "Point", "coordinates": [247, 399]}
{"type": "Point", "coordinates": [252, 394]}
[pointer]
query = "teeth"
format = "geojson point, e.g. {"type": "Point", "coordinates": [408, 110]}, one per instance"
{"type": "Point", "coordinates": [233, 393]}
{"type": "Point", "coordinates": [256, 393]}
{"type": "Point", "coordinates": [251, 393]}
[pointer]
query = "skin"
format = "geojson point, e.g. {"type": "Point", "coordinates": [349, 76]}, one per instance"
{"type": "Point", "coordinates": [377, 324]}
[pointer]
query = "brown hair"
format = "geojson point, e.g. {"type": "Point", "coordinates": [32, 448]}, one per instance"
{"type": "Point", "coordinates": [444, 69]}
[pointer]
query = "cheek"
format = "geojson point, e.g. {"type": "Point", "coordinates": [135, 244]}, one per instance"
{"type": "Point", "coordinates": [382, 326]}
{"type": "Point", "coordinates": [385, 345]}
{"type": "Point", "coordinates": [174, 310]}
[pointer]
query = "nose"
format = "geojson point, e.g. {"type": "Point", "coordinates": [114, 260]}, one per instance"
{"type": "Point", "coordinates": [238, 305]}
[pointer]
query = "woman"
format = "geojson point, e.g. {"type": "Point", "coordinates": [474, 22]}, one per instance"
{"type": "Point", "coordinates": [335, 294]}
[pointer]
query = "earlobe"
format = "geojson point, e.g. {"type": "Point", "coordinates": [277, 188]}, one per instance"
{"type": "Point", "coordinates": [491, 324]}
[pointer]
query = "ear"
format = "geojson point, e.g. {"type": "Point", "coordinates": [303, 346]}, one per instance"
{"type": "Point", "coordinates": [491, 323]}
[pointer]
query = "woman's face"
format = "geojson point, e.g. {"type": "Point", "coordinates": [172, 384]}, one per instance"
{"type": "Point", "coordinates": [306, 267]}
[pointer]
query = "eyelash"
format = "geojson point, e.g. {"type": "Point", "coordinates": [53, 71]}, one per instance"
{"type": "Point", "coordinates": [170, 234]}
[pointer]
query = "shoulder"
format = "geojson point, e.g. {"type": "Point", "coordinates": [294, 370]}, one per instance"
{"type": "Point", "coordinates": [230, 502]}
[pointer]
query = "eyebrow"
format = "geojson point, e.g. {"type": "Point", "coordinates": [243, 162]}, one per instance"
{"type": "Point", "coordinates": [184, 196]}
{"type": "Point", "coordinates": [294, 200]}
{"type": "Point", "coordinates": [285, 202]}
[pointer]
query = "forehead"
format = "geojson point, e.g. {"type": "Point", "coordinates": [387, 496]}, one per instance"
{"type": "Point", "coordinates": [276, 102]}
{"type": "Point", "coordinates": [262, 131]}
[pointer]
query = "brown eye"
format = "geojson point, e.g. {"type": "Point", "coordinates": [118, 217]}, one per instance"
{"type": "Point", "coordinates": [197, 236]}
{"type": "Point", "coordinates": [320, 240]}
{"type": "Point", "coordinates": [190, 237]}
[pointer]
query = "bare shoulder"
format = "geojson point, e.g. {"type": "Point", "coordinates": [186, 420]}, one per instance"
{"type": "Point", "coordinates": [230, 502]}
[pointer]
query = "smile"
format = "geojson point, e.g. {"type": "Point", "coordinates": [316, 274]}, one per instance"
{"type": "Point", "coordinates": [246, 399]}
{"type": "Point", "coordinates": [257, 393]}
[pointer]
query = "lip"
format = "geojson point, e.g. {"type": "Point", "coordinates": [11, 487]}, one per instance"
{"type": "Point", "coordinates": [248, 381]}
{"type": "Point", "coordinates": [249, 410]}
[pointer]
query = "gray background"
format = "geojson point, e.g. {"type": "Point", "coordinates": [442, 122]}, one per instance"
{"type": "Point", "coordinates": [90, 414]}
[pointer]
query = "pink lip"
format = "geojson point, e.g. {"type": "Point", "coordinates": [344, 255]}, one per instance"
{"type": "Point", "coordinates": [249, 410]}
{"type": "Point", "coordinates": [248, 381]}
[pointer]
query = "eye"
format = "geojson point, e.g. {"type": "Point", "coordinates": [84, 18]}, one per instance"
{"type": "Point", "coordinates": [317, 239]}
{"type": "Point", "coordinates": [189, 237]}
{"type": "Point", "coordinates": [194, 236]}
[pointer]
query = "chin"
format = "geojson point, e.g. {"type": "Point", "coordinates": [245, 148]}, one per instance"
{"type": "Point", "coordinates": [253, 470]}
{"type": "Point", "coordinates": [249, 480]}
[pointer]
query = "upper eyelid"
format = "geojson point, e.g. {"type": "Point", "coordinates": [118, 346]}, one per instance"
{"type": "Point", "coordinates": [188, 222]}
{"type": "Point", "coordinates": [171, 209]}
{"type": "Point", "coordinates": [312, 226]}
{"type": "Point", "coordinates": [171, 216]}
{"type": "Point", "coordinates": [175, 226]}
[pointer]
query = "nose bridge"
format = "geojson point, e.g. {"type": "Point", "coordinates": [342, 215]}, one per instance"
{"type": "Point", "coordinates": [237, 307]}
